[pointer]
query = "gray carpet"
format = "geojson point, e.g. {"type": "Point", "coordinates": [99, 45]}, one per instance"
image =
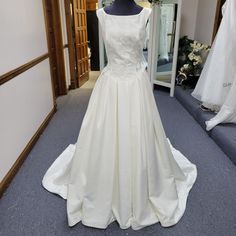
{"type": "Point", "coordinates": [223, 134]}
{"type": "Point", "coordinates": [27, 208]}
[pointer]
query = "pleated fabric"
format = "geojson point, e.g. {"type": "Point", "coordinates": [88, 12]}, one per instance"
{"type": "Point", "coordinates": [122, 166]}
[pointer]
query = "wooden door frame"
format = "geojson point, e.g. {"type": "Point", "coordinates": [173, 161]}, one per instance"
{"type": "Point", "coordinates": [59, 48]}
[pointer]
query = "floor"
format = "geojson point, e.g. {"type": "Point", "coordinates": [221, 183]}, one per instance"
{"type": "Point", "coordinates": [26, 208]}
{"type": "Point", "coordinates": [223, 134]}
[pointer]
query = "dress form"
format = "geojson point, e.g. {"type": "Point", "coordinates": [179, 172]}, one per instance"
{"type": "Point", "coordinates": [123, 7]}
{"type": "Point", "coordinates": [122, 166]}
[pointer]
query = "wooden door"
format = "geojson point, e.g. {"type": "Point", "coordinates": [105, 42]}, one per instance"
{"type": "Point", "coordinates": [55, 46]}
{"type": "Point", "coordinates": [69, 12]}
{"type": "Point", "coordinates": [81, 41]}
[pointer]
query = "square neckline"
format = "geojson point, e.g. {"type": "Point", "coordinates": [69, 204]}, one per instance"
{"type": "Point", "coordinates": [123, 15]}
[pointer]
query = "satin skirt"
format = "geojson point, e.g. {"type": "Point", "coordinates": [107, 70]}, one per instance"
{"type": "Point", "coordinates": [122, 166]}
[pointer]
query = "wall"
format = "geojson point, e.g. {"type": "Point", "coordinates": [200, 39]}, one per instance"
{"type": "Point", "coordinates": [198, 18]}
{"type": "Point", "coordinates": [26, 100]}
{"type": "Point", "coordinates": [189, 18]}
{"type": "Point", "coordinates": [205, 21]}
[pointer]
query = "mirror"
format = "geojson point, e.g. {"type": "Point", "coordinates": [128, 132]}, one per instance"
{"type": "Point", "coordinates": [166, 40]}
{"type": "Point", "coordinates": [165, 27]}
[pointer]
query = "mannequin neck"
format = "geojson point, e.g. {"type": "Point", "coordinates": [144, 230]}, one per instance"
{"type": "Point", "coordinates": [123, 7]}
{"type": "Point", "coordinates": [126, 3]}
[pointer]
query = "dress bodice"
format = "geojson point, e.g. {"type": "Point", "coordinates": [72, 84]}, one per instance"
{"type": "Point", "coordinates": [122, 167]}
{"type": "Point", "coordinates": [124, 38]}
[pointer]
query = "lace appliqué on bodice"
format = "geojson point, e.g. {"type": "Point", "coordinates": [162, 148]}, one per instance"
{"type": "Point", "coordinates": [124, 38]}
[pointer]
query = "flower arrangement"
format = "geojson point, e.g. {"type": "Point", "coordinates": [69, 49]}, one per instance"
{"type": "Point", "coordinates": [191, 59]}
{"type": "Point", "coordinates": [195, 59]}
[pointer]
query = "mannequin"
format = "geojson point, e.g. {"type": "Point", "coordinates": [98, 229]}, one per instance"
{"type": "Point", "coordinates": [123, 7]}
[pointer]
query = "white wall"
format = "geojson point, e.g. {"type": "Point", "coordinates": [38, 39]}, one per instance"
{"type": "Point", "coordinates": [189, 18]}
{"type": "Point", "coordinates": [22, 33]}
{"type": "Point", "coordinates": [205, 21]}
{"type": "Point", "coordinates": [26, 100]}
{"type": "Point", "coordinates": [198, 18]}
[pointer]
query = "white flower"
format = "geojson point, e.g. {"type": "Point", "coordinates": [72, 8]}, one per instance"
{"type": "Point", "coordinates": [186, 66]}
{"type": "Point", "coordinates": [198, 47]}
{"type": "Point", "coordinates": [191, 56]}
{"type": "Point", "coordinates": [198, 59]}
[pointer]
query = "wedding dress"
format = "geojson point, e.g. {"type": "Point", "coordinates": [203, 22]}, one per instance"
{"type": "Point", "coordinates": [122, 166]}
{"type": "Point", "coordinates": [215, 88]}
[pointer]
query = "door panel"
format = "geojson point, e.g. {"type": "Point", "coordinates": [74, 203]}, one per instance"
{"type": "Point", "coordinates": [81, 41]}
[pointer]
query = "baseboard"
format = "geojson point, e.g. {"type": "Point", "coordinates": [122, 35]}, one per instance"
{"type": "Point", "coordinates": [12, 172]}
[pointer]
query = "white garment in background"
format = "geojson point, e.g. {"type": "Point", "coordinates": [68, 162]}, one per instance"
{"type": "Point", "coordinates": [227, 113]}
{"type": "Point", "coordinates": [146, 41]}
{"type": "Point", "coordinates": [218, 75]}
{"type": "Point", "coordinates": [166, 26]}
{"type": "Point", "coordinates": [122, 166]}
{"type": "Point", "coordinates": [163, 42]}
{"type": "Point", "coordinates": [223, 8]}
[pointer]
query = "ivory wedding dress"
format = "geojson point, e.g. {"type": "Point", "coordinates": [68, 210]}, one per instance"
{"type": "Point", "coordinates": [216, 87]}
{"type": "Point", "coordinates": [122, 166]}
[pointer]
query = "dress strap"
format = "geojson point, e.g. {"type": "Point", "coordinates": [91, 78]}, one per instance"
{"type": "Point", "coordinates": [147, 15]}
{"type": "Point", "coordinates": [100, 16]}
